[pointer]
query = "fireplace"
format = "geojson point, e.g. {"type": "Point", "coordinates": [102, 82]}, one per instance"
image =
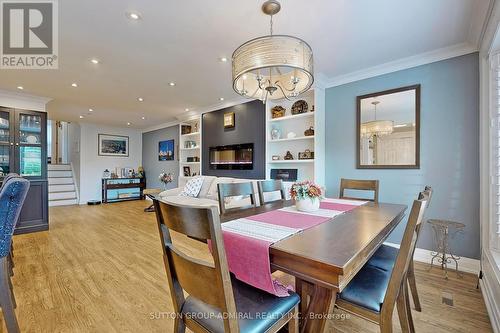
{"type": "Point", "coordinates": [232, 157]}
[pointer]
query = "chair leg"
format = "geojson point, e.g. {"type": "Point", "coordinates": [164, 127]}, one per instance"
{"type": "Point", "coordinates": [408, 309]}
{"type": "Point", "coordinates": [413, 287]}
{"type": "Point", "coordinates": [10, 260]}
{"type": "Point", "coordinates": [293, 324]}
{"type": "Point", "coordinates": [179, 326]}
{"type": "Point", "coordinates": [402, 312]}
{"type": "Point", "coordinates": [6, 298]}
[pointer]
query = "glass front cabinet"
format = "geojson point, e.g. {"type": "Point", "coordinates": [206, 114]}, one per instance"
{"type": "Point", "coordinates": [23, 150]}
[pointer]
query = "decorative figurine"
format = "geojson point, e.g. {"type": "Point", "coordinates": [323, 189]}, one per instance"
{"type": "Point", "coordinates": [309, 132]}
{"type": "Point", "coordinates": [288, 156]}
{"type": "Point", "coordinates": [275, 133]}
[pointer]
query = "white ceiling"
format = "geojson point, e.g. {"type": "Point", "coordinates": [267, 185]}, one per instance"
{"type": "Point", "coordinates": [181, 41]}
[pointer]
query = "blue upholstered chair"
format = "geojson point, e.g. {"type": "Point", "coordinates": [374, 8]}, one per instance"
{"type": "Point", "coordinates": [11, 254]}
{"type": "Point", "coordinates": [12, 195]}
{"type": "Point", "coordinates": [385, 257]}
{"type": "Point", "coordinates": [215, 298]}
{"type": "Point", "coordinates": [374, 292]}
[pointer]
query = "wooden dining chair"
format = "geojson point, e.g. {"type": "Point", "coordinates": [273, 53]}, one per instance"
{"type": "Point", "coordinates": [374, 292]}
{"type": "Point", "coordinates": [385, 256]}
{"type": "Point", "coordinates": [270, 186]}
{"type": "Point", "coordinates": [217, 302]}
{"type": "Point", "coordinates": [228, 190]}
{"type": "Point", "coordinates": [12, 197]}
{"type": "Point", "coordinates": [359, 185]}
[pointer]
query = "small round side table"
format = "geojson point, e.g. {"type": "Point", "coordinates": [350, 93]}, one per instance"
{"type": "Point", "coordinates": [442, 231]}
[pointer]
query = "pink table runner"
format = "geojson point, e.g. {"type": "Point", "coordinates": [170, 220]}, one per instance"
{"type": "Point", "coordinates": [247, 240]}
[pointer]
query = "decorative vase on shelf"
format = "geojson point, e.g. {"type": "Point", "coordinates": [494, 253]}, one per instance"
{"type": "Point", "coordinates": [275, 133]}
{"type": "Point", "coordinates": [307, 204]}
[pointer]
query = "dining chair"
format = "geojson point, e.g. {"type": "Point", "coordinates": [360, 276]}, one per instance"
{"type": "Point", "coordinates": [359, 185]}
{"type": "Point", "coordinates": [385, 256]}
{"type": "Point", "coordinates": [227, 191]}
{"type": "Point", "coordinates": [374, 292]}
{"type": "Point", "coordinates": [12, 196]}
{"type": "Point", "coordinates": [270, 186]}
{"type": "Point", "coordinates": [10, 257]}
{"type": "Point", "coordinates": [216, 299]}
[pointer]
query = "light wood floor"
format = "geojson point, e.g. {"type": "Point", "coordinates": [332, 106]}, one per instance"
{"type": "Point", "coordinates": [99, 269]}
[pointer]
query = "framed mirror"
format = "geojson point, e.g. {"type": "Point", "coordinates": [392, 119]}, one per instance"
{"type": "Point", "coordinates": [388, 129]}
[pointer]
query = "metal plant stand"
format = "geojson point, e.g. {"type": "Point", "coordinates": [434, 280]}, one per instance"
{"type": "Point", "coordinates": [442, 231]}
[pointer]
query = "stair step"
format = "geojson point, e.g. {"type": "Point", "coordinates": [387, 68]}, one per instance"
{"type": "Point", "coordinates": [60, 181]}
{"type": "Point", "coordinates": [56, 174]}
{"type": "Point", "coordinates": [66, 202]}
{"type": "Point", "coordinates": [59, 167]}
{"type": "Point", "coordinates": [61, 188]}
{"type": "Point", "coordinates": [62, 195]}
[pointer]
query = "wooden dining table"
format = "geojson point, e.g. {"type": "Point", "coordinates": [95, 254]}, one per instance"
{"type": "Point", "coordinates": [324, 258]}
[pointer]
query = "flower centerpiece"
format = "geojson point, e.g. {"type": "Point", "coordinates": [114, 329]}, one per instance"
{"type": "Point", "coordinates": [307, 196]}
{"type": "Point", "coordinates": [166, 178]}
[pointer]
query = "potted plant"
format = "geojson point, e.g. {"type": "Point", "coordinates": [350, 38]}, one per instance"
{"type": "Point", "coordinates": [166, 178]}
{"type": "Point", "coordinates": [307, 196]}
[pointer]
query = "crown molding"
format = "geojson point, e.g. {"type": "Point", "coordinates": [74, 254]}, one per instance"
{"type": "Point", "coordinates": [404, 63]}
{"type": "Point", "coordinates": [160, 126]}
{"type": "Point", "coordinates": [23, 100]}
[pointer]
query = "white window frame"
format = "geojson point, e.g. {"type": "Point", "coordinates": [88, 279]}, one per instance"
{"type": "Point", "coordinates": [494, 135]}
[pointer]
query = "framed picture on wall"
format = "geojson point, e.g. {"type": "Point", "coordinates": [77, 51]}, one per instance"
{"type": "Point", "coordinates": [112, 145]}
{"type": "Point", "coordinates": [187, 171]}
{"type": "Point", "coordinates": [166, 150]}
{"type": "Point", "coordinates": [229, 120]}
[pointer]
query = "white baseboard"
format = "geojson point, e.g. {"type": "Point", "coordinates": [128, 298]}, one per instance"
{"type": "Point", "coordinates": [464, 264]}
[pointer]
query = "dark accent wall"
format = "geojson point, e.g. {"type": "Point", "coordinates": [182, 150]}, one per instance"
{"type": "Point", "coordinates": [150, 162]}
{"type": "Point", "coordinates": [250, 127]}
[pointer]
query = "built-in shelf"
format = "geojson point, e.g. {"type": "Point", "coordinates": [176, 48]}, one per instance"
{"type": "Point", "coordinates": [293, 116]}
{"type": "Point", "coordinates": [190, 134]}
{"type": "Point", "coordinates": [192, 163]}
{"type": "Point", "coordinates": [192, 148]}
{"type": "Point", "coordinates": [311, 137]}
{"type": "Point", "coordinates": [291, 161]}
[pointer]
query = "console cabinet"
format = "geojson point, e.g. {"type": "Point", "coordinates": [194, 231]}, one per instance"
{"type": "Point", "coordinates": [23, 150]}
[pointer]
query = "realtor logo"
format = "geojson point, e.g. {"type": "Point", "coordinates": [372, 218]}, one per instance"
{"type": "Point", "coordinates": [29, 34]}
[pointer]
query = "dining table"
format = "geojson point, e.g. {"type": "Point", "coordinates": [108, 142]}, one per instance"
{"type": "Point", "coordinates": [324, 258]}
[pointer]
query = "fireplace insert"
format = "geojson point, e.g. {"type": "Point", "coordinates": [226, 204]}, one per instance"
{"type": "Point", "coordinates": [232, 157]}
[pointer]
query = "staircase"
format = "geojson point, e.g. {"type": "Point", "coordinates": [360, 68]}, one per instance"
{"type": "Point", "coordinates": [62, 189]}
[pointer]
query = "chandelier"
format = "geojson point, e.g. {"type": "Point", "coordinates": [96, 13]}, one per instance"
{"type": "Point", "coordinates": [376, 127]}
{"type": "Point", "coordinates": [272, 67]}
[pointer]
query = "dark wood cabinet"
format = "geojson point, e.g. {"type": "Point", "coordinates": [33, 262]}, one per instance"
{"type": "Point", "coordinates": [23, 150]}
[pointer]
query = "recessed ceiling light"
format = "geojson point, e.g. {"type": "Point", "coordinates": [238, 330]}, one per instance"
{"type": "Point", "coordinates": [172, 84]}
{"type": "Point", "coordinates": [20, 87]}
{"type": "Point", "coordinates": [74, 85]}
{"type": "Point", "coordinates": [221, 99]}
{"type": "Point", "coordinates": [134, 16]}
{"type": "Point", "coordinates": [143, 118]}
{"type": "Point", "coordinates": [94, 61]}
{"type": "Point", "coordinates": [223, 59]}
{"type": "Point", "coordinates": [128, 124]}
{"type": "Point", "coordinates": [90, 110]}
{"type": "Point", "coordinates": [140, 99]}
{"type": "Point", "coordinates": [81, 117]}
{"type": "Point", "coordinates": [186, 109]}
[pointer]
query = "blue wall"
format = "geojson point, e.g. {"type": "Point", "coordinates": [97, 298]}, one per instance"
{"type": "Point", "coordinates": [449, 146]}
{"type": "Point", "coordinates": [152, 166]}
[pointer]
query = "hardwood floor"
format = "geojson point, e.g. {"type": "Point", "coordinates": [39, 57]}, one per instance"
{"type": "Point", "coordinates": [99, 269]}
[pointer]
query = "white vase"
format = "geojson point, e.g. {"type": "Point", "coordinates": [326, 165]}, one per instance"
{"type": "Point", "coordinates": [307, 205]}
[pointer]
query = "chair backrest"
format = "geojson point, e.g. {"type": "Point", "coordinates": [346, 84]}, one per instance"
{"type": "Point", "coordinates": [405, 255]}
{"type": "Point", "coordinates": [361, 185]}
{"type": "Point", "coordinates": [426, 195]}
{"type": "Point", "coordinates": [9, 176]}
{"type": "Point", "coordinates": [269, 186]}
{"type": "Point", "coordinates": [12, 196]}
{"type": "Point", "coordinates": [228, 190]}
{"type": "Point", "coordinates": [207, 282]}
